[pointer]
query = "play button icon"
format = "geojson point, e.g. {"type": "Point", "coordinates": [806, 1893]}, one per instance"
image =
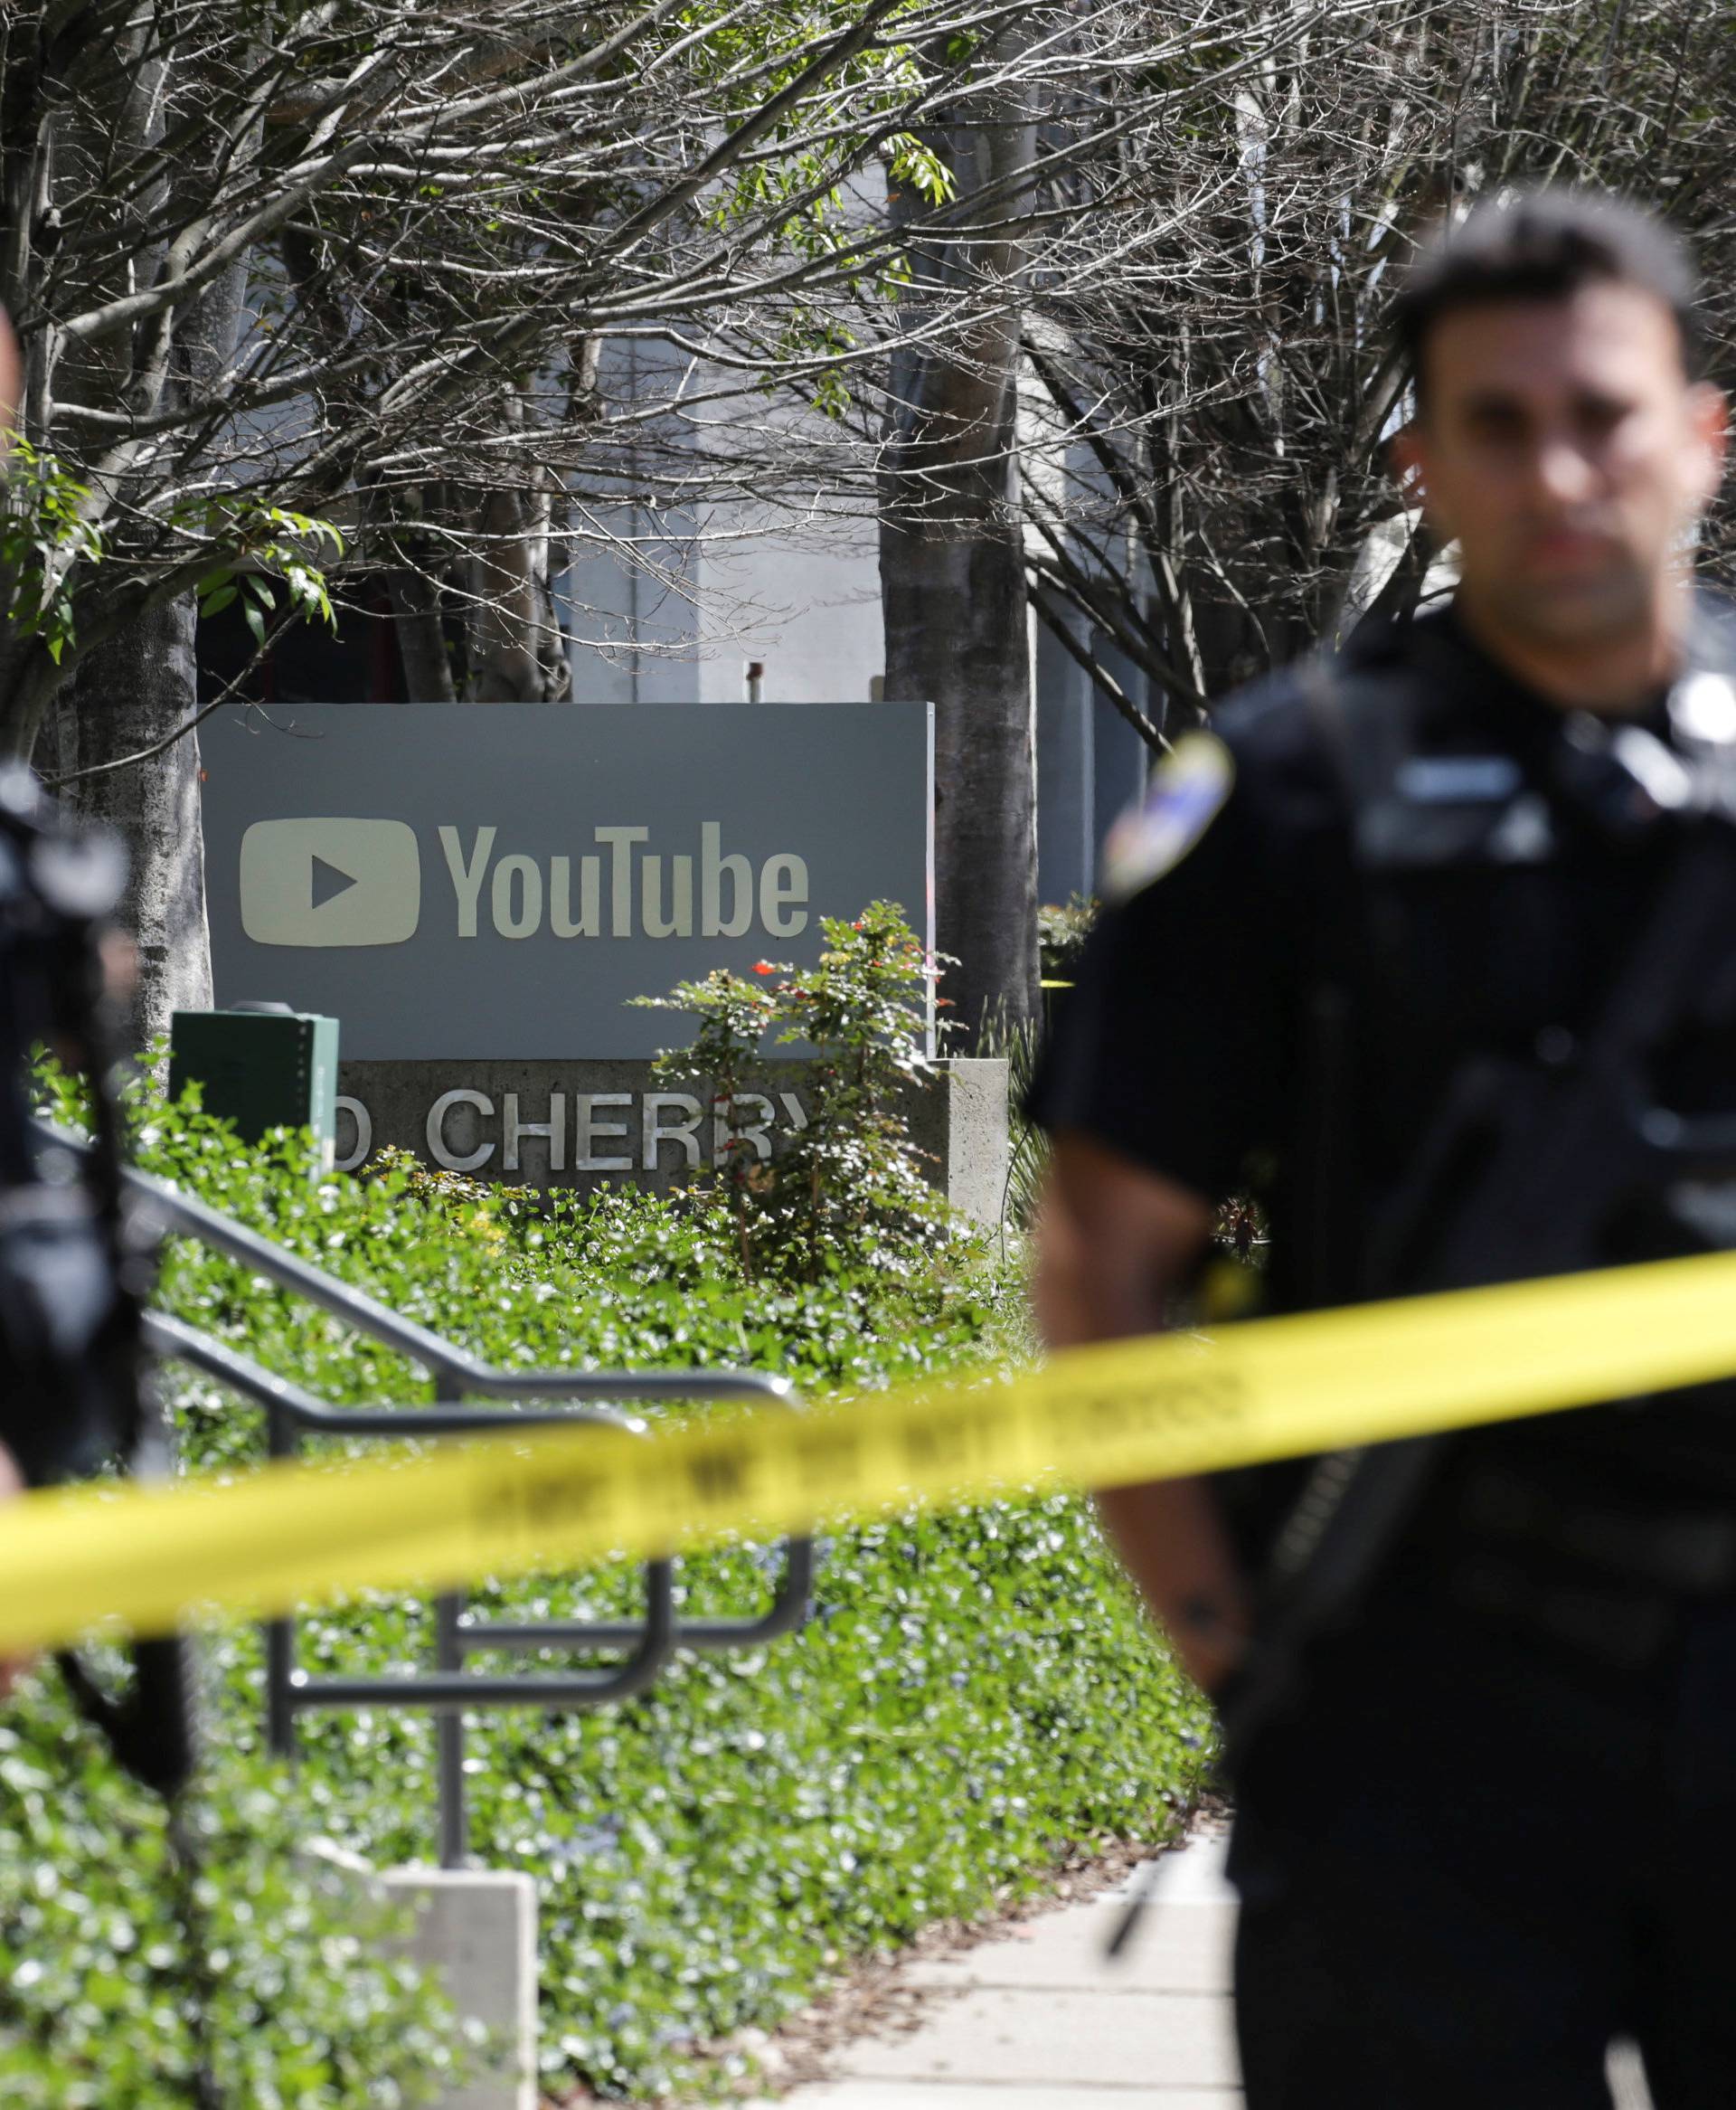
{"type": "Point", "coordinates": [330, 882]}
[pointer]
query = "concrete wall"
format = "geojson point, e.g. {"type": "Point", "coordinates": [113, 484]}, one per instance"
{"type": "Point", "coordinates": [797, 590]}
{"type": "Point", "coordinates": [806, 608]}
{"type": "Point", "coordinates": [808, 612]}
{"type": "Point", "coordinates": [1091, 764]}
{"type": "Point", "coordinates": [586, 1124]}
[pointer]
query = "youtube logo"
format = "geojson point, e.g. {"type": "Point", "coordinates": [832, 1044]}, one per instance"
{"type": "Point", "coordinates": [330, 882]}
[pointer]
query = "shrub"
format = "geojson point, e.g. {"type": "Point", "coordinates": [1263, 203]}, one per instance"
{"type": "Point", "coordinates": [847, 1187]}
{"type": "Point", "coordinates": [1061, 933]}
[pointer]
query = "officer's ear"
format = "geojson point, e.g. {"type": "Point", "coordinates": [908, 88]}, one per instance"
{"type": "Point", "coordinates": [1407, 455]}
{"type": "Point", "coordinates": [1404, 452]}
{"type": "Point", "coordinates": [1709, 422]}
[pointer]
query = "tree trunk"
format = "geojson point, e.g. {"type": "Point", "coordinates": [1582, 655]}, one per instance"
{"type": "Point", "coordinates": [516, 648]}
{"type": "Point", "coordinates": [126, 695]}
{"type": "Point", "coordinates": [953, 593]}
{"type": "Point", "coordinates": [421, 636]}
{"type": "Point", "coordinates": [139, 685]}
{"type": "Point", "coordinates": [956, 637]}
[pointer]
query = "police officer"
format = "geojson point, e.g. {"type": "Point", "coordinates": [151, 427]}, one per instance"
{"type": "Point", "coordinates": [1486, 1819]}
{"type": "Point", "coordinates": [11, 392]}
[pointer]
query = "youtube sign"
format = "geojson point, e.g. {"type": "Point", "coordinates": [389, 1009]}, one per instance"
{"type": "Point", "coordinates": [330, 882]}
{"type": "Point", "coordinates": [501, 881]}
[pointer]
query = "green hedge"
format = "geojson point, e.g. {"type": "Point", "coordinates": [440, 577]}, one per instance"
{"type": "Point", "coordinates": [976, 1695]}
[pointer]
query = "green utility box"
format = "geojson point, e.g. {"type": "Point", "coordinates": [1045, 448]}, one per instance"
{"type": "Point", "coordinates": [263, 1066]}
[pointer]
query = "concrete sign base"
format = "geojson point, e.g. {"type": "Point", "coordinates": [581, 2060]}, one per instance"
{"type": "Point", "coordinates": [583, 1124]}
{"type": "Point", "coordinates": [476, 1928]}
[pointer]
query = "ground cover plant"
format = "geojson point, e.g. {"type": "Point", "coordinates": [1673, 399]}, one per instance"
{"type": "Point", "coordinates": [976, 1696]}
{"type": "Point", "coordinates": [224, 1958]}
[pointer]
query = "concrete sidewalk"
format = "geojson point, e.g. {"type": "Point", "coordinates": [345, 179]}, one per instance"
{"type": "Point", "coordinates": [1038, 2014]}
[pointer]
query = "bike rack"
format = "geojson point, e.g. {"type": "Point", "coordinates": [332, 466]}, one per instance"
{"type": "Point", "coordinates": [293, 1413]}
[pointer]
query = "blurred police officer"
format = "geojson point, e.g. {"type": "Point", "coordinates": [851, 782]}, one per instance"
{"type": "Point", "coordinates": [11, 389]}
{"type": "Point", "coordinates": [75, 1261]}
{"type": "Point", "coordinates": [1490, 1824]}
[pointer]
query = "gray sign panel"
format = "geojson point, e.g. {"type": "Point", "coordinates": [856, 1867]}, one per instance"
{"type": "Point", "coordinates": [494, 880]}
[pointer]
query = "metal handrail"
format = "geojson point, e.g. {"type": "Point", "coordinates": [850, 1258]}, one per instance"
{"type": "Point", "coordinates": [197, 1219]}
{"type": "Point", "coordinates": [173, 1339]}
{"type": "Point", "coordinates": [292, 1413]}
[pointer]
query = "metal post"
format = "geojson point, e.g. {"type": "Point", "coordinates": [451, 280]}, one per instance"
{"type": "Point", "coordinates": [279, 1670]}
{"type": "Point", "coordinates": [279, 1633]}
{"type": "Point", "coordinates": [448, 1735]}
{"type": "Point", "coordinates": [448, 1725]}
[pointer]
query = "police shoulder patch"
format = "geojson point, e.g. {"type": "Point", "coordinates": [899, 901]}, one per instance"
{"type": "Point", "coordinates": [1186, 795]}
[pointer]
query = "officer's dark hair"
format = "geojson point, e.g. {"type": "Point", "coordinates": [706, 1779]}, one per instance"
{"type": "Point", "coordinates": [1543, 243]}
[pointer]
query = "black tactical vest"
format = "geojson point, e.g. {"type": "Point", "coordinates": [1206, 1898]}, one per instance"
{"type": "Point", "coordinates": [1514, 894]}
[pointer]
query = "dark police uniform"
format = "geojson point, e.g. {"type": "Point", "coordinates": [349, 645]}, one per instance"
{"type": "Point", "coordinates": [1494, 1825]}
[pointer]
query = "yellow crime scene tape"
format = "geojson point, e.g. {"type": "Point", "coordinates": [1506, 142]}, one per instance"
{"type": "Point", "coordinates": [143, 1558]}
